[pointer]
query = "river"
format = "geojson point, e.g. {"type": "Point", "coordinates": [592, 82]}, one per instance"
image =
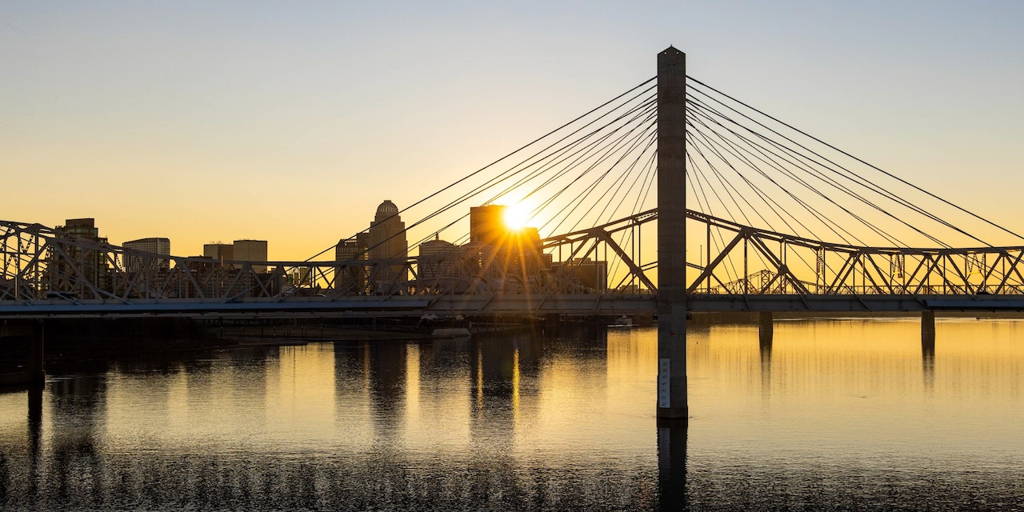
{"type": "Point", "coordinates": [838, 413]}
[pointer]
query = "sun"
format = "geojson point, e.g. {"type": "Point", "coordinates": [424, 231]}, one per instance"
{"type": "Point", "coordinates": [516, 216]}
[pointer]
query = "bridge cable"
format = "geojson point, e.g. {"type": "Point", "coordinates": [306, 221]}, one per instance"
{"type": "Point", "coordinates": [492, 182]}
{"type": "Point", "coordinates": [883, 171]}
{"type": "Point", "coordinates": [506, 156]}
{"type": "Point", "coordinates": [811, 171]}
{"type": "Point", "coordinates": [867, 223]}
{"type": "Point", "coordinates": [760, 194]}
{"type": "Point", "coordinates": [820, 216]}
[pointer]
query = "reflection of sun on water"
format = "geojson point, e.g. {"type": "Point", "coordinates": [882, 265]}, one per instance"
{"type": "Point", "coordinates": [516, 216]}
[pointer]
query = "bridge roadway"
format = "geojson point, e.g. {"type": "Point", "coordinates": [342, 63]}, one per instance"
{"type": "Point", "coordinates": [498, 305]}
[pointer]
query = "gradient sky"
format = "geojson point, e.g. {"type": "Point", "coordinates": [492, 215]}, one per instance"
{"type": "Point", "coordinates": [290, 122]}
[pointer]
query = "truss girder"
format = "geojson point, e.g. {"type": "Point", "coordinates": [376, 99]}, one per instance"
{"type": "Point", "coordinates": [37, 264]}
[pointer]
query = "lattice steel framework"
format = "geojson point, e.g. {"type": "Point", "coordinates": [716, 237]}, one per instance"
{"type": "Point", "coordinates": [39, 265]}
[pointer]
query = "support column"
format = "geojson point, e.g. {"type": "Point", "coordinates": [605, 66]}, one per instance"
{"type": "Point", "coordinates": [928, 328]}
{"type": "Point", "coordinates": [37, 371]}
{"type": "Point", "coordinates": [672, 400]}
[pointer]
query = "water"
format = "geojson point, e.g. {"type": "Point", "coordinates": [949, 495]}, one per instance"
{"type": "Point", "coordinates": [840, 414]}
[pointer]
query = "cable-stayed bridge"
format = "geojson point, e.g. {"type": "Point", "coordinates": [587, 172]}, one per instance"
{"type": "Point", "coordinates": [777, 219]}
{"type": "Point", "coordinates": [671, 197]}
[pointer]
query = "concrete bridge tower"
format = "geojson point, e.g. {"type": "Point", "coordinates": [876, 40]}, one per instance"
{"type": "Point", "coordinates": [672, 234]}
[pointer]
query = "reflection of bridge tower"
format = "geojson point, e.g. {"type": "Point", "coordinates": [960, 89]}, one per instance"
{"type": "Point", "coordinates": [765, 337]}
{"type": "Point", "coordinates": [387, 241]}
{"type": "Point", "coordinates": [928, 349]}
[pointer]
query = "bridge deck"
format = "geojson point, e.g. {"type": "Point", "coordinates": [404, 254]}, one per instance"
{"type": "Point", "coordinates": [501, 305]}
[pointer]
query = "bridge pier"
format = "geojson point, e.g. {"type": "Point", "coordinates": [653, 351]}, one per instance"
{"type": "Point", "coordinates": [36, 368]}
{"type": "Point", "coordinates": [928, 329]}
{"type": "Point", "coordinates": [765, 328]}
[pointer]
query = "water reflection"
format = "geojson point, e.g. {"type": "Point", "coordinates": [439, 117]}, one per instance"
{"type": "Point", "coordinates": [928, 362]}
{"type": "Point", "coordinates": [824, 413]}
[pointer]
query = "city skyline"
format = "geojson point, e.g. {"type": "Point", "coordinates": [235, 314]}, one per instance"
{"type": "Point", "coordinates": [227, 163]}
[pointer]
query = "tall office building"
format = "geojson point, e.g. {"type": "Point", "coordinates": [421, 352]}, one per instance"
{"type": "Point", "coordinates": [350, 278]}
{"type": "Point", "coordinates": [155, 245]}
{"type": "Point", "coordinates": [487, 224]}
{"type": "Point", "coordinates": [251, 250]}
{"type": "Point", "coordinates": [502, 253]}
{"type": "Point", "coordinates": [91, 262]}
{"type": "Point", "coordinates": [386, 241]}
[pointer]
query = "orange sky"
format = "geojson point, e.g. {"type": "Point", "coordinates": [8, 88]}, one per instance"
{"type": "Point", "coordinates": [291, 125]}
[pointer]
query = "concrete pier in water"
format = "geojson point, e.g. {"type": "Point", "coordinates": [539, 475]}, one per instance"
{"type": "Point", "coordinates": [672, 399]}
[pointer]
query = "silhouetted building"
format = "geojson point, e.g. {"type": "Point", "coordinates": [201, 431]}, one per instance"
{"type": "Point", "coordinates": [487, 224]}
{"type": "Point", "coordinates": [350, 278]}
{"type": "Point", "coordinates": [64, 259]}
{"type": "Point", "coordinates": [506, 258]}
{"type": "Point", "coordinates": [438, 259]}
{"type": "Point", "coordinates": [240, 250]}
{"type": "Point", "coordinates": [219, 251]}
{"type": "Point", "coordinates": [584, 272]}
{"type": "Point", "coordinates": [251, 250]}
{"type": "Point", "coordinates": [387, 241]}
{"type": "Point", "coordinates": [154, 245]}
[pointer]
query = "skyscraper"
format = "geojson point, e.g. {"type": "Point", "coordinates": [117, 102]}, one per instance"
{"type": "Point", "coordinates": [64, 260]}
{"type": "Point", "coordinates": [503, 255]}
{"type": "Point", "coordinates": [349, 278]}
{"type": "Point", "coordinates": [387, 241]}
{"type": "Point", "coordinates": [155, 245]}
{"type": "Point", "coordinates": [487, 224]}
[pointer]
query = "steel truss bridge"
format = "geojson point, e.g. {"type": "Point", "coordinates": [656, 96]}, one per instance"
{"type": "Point", "coordinates": [778, 220]}
{"type": "Point", "coordinates": [846, 278]}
